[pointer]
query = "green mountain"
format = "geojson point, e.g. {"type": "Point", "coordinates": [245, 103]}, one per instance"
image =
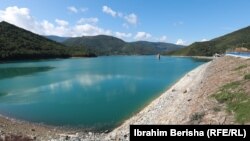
{"type": "Point", "coordinates": [108, 45]}
{"type": "Point", "coordinates": [17, 43]}
{"type": "Point", "coordinates": [240, 38]}
{"type": "Point", "coordinates": [147, 48]}
{"type": "Point", "coordinates": [100, 45]}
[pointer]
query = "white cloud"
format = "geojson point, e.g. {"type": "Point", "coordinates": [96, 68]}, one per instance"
{"type": "Point", "coordinates": [109, 11]}
{"type": "Point", "coordinates": [131, 18]}
{"type": "Point", "coordinates": [73, 9]}
{"type": "Point", "coordinates": [51, 29]}
{"type": "Point", "coordinates": [21, 17]}
{"type": "Point", "coordinates": [204, 40]}
{"type": "Point", "coordinates": [180, 42]}
{"type": "Point", "coordinates": [47, 26]}
{"type": "Point", "coordinates": [89, 30]}
{"type": "Point", "coordinates": [142, 36]}
{"type": "Point", "coordinates": [88, 20]}
{"type": "Point", "coordinates": [123, 35]}
{"type": "Point", "coordinates": [163, 38]}
{"type": "Point", "coordinates": [61, 22]}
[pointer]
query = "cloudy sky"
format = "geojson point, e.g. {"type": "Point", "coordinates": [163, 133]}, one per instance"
{"type": "Point", "coordinates": [174, 21]}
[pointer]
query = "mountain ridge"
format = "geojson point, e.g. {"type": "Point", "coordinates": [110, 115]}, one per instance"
{"type": "Point", "coordinates": [236, 39]}
{"type": "Point", "coordinates": [58, 39]}
{"type": "Point", "coordinates": [110, 45]}
{"type": "Point", "coordinates": [17, 43]}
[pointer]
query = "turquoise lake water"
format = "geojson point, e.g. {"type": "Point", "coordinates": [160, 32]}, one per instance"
{"type": "Point", "coordinates": [94, 93]}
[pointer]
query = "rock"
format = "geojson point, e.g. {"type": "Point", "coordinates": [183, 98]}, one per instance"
{"type": "Point", "coordinates": [173, 90]}
{"type": "Point", "coordinates": [33, 130]}
{"type": "Point", "coordinates": [76, 139]}
{"type": "Point", "coordinates": [187, 90]}
{"type": "Point", "coordinates": [67, 137]}
{"type": "Point", "coordinates": [90, 133]}
{"type": "Point", "coordinates": [34, 138]}
{"type": "Point", "coordinates": [189, 99]}
{"type": "Point", "coordinates": [2, 137]}
{"type": "Point", "coordinates": [106, 131]}
{"type": "Point", "coordinates": [113, 136]}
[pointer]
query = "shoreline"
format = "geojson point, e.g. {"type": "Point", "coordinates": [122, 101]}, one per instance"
{"type": "Point", "coordinates": [190, 100]}
{"type": "Point", "coordinates": [62, 131]}
{"type": "Point", "coordinates": [151, 114]}
{"type": "Point", "coordinates": [195, 57]}
{"type": "Point", "coordinates": [187, 97]}
{"type": "Point", "coordinates": [11, 127]}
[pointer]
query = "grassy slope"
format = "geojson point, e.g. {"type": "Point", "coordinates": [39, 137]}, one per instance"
{"type": "Point", "coordinates": [236, 96]}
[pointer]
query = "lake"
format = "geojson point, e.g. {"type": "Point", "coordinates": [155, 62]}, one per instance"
{"type": "Point", "coordinates": [91, 93]}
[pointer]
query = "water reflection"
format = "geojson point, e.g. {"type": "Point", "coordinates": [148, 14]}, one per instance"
{"type": "Point", "coordinates": [85, 81]}
{"type": "Point", "coordinates": [20, 71]}
{"type": "Point", "coordinates": [60, 85]}
{"type": "Point", "coordinates": [97, 93]}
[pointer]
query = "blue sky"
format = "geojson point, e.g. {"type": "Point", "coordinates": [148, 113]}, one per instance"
{"type": "Point", "coordinates": [174, 21]}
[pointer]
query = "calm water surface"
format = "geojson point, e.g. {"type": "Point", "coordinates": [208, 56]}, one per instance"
{"type": "Point", "coordinates": [96, 93]}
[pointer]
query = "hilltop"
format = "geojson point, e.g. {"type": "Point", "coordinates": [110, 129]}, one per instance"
{"type": "Point", "coordinates": [237, 39]}
{"type": "Point", "coordinates": [17, 43]}
{"type": "Point", "coordinates": [100, 45]}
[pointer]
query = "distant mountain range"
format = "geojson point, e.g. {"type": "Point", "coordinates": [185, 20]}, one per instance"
{"type": "Point", "coordinates": [150, 47]}
{"type": "Point", "coordinates": [237, 39]}
{"type": "Point", "coordinates": [17, 43]}
{"type": "Point", "coordinates": [109, 45]}
{"type": "Point", "coordinates": [57, 38]}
